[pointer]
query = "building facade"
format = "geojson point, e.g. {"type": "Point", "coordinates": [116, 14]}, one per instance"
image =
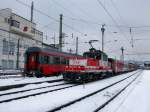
{"type": "Point", "coordinates": [16, 35]}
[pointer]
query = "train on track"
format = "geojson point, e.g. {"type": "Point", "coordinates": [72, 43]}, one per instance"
{"type": "Point", "coordinates": [92, 65]}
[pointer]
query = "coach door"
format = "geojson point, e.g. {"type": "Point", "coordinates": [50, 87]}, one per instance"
{"type": "Point", "coordinates": [32, 62]}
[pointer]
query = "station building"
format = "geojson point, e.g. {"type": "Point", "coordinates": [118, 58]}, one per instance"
{"type": "Point", "coordinates": [16, 35]}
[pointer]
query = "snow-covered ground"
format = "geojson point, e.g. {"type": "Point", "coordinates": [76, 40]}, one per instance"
{"type": "Point", "coordinates": [91, 103]}
{"type": "Point", "coordinates": [45, 102]}
{"type": "Point", "coordinates": [5, 97]}
{"type": "Point", "coordinates": [135, 99]}
{"type": "Point", "coordinates": [22, 80]}
{"type": "Point", "coordinates": [31, 86]}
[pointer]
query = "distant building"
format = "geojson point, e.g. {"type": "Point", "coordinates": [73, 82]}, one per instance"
{"type": "Point", "coordinates": [16, 31]}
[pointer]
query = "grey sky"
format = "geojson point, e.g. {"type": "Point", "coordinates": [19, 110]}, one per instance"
{"type": "Point", "coordinates": [127, 13]}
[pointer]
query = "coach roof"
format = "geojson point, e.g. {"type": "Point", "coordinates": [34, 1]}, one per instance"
{"type": "Point", "coordinates": [49, 50]}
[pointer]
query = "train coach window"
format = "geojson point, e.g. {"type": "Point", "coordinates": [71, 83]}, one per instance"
{"type": "Point", "coordinates": [41, 59]}
{"type": "Point", "coordinates": [45, 60]}
{"type": "Point", "coordinates": [50, 60]}
{"type": "Point", "coordinates": [56, 60]}
{"type": "Point", "coordinates": [63, 60]}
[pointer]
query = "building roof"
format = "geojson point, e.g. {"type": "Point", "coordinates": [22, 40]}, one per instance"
{"type": "Point", "coordinates": [23, 18]}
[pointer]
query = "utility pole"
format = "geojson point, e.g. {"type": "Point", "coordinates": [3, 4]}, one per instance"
{"type": "Point", "coordinates": [122, 51]}
{"type": "Point", "coordinates": [70, 51]}
{"type": "Point", "coordinates": [60, 33]}
{"type": "Point", "coordinates": [54, 40]}
{"type": "Point", "coordinates": [32, 7]}
{"type": "Point", "coordinates": [103, 30]}
{"type": "Point", "coordinates": [17, 61]}
{"type": "Point", "coordinates": [72, 35]}
{"type": "Point", "coordinates": [77, 45]}
{"type": "Point", "coordinates": [131, 37]}
{"type": "Point", "coordinates": [9, 36]}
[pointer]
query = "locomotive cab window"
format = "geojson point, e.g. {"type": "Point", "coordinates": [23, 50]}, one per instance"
{"type": "Point", "coordinates": [89, 55]}
{"type": "Point", "coordinates": [105, 57]}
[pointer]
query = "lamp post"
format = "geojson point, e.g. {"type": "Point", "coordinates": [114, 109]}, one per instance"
{"type": "Point", "coordinates": [17, 61]}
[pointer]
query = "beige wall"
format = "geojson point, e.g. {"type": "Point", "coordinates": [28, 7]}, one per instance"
{"type": "Point", "coordinates": [12, 34]}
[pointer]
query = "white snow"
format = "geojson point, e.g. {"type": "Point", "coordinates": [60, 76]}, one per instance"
{"type": "Point", "coordinates": [93, 102]}
{"type": "Point", "coordinates": [48, 101]}
{"type": "Point", "coordinates": [22, 80]}
{"type": "Point", "coordinates": [135, 99]}
{"type": "Point", "coordinates": [31, 86]}
{"type": "Point", "coordinates": [5, 97]}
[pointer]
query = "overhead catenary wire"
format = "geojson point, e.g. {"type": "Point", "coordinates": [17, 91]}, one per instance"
{"type": "Point", "coordinates": [117, 10]}
{"type": "Point", "coordinates": [87, 21]}
{"type": "Point", "coordinates": [71, 13]}
{"type": "Point", "coordinates": [61, 6]}
{"type": "Point", "coordinates": [39, 11]}
{"type": "Point", "coordinates": [81, 10]}
{"type": "Point", "coordinates": [108, 13]}
{"type": "Point", "coordinates": [144, 53]}
{"type": "Point", "coordinates": [50, 17]}
{"type": "Point", "coordinates": [81, 20]}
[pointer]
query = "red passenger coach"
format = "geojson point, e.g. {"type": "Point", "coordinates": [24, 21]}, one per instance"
{"type": "Point", "coordinates": [116, 65]}
{"type": "Point", "coordinates": [46, 62]}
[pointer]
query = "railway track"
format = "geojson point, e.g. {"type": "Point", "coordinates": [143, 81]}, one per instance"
{"type": "Point", "coordinates": [95, 92]}
{"type": "Point", "coordinates": [10, 93]}
{"type": "Point", "coordinates": [7, 87]}
{"type": "Point", "coordinates": [115, 96]}
{"type": "Point", "coordinates": [3, 88]}
{"type": "Point", "coordinates": [34, 94]}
